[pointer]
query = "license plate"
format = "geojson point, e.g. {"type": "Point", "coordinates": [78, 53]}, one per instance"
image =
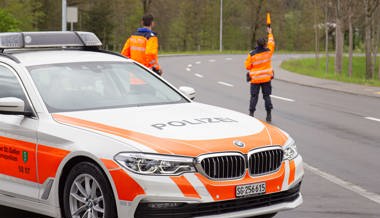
{"type": "Point", "coordinates": [250, 189]}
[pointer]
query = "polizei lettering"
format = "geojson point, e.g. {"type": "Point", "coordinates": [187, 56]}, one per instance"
{"type": "Point", "coordinates": [198, 121]}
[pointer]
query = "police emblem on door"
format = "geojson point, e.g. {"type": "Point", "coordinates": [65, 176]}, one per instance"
{"type": "Point", "coordinates": [25, 156]}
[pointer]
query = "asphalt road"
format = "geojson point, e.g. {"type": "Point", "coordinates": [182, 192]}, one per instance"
{"type": "Point", "coordinates": [338, 143]}
{"type": "Point", "coordinates": [338, 134]}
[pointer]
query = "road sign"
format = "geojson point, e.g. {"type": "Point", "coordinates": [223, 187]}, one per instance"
{"type": "Point", "coordinates": [72, 14]}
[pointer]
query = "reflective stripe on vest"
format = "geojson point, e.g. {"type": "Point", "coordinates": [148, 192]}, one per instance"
{"type": "Point", "coordinates": [261, 76]}
{"type": "Point", "coordinates": [137, 48]}
{"type": "Point", "coordinates": [260, 61]}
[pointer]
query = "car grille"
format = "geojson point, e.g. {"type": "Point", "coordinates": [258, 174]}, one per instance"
{"type": "Point", "coordinates": [224, 166]}
{"type": "Point", "coordinates": [233, 165]}
{"type": "Point", "coordinates": [218, 208]}
{"type": "Point", "coordinates": [264, 162]}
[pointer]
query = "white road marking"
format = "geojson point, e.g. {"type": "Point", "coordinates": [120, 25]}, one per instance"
{"type": "Point", "coordinates": [225, 84]}
{"type": "Point", "coordinates": [211, 60]}
{"type": "Point", "coordinates": [198, 62]}
{"type": "Point", "coordinates": [227, 59]}
{"type": "Point", "coordinates": [188, 69]}
{"type": "Point", "coordinates": [345, 184]}
{"type": "Point", "coordinates": [372, 118]}
{"type": "Point", "coordinates": [189, 65]}
{"type": "Point", "coordinates": [198, 75]}
{"type": "Point", "coordinates": [282, 98]}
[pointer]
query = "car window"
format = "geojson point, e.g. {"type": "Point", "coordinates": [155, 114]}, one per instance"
{"type": "Point", "coordinates": [99, 85]}
{"type": "Point", "coordinates": [10, 85]}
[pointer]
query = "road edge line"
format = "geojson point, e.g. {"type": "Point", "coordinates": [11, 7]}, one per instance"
{"type": "Point", "coordinates": [344, 184]}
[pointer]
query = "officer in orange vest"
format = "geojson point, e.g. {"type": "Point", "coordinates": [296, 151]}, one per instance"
{"type": "Point", "coordinates": [142, 46]}
{"type": "Point", "coordinates": [259, 64]}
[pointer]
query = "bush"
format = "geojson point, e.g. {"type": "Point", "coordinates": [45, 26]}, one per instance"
{"type": "Point", "coordinates": [7, 22]}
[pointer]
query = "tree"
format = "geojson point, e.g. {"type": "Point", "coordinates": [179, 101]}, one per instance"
{"type": "Point", "coordinates": [375, 37]}
{"type": "Point", "coordinates": [339, 36]}
{"type": "Point", "coordinates": [350, 36]}
{"type": "Point", "coordinates": [7, 22]}
{"type": "Point", "coordinates": [327, 34]}
{"type": "Point", "coordinates": [126, 18]}
{"type": "Point", "coordinates": [255, 18]}
{"type": "Point", "coordinates": [316, 31]}
{"type": "Point", "coordinates": [146, 5]}
{"type": "Point", "coordinates": [369, 9]}
{"type": "Point", "coordinates": [27, 12]}
{"type": "Point", "coordinates": [378, 40]}
{"type": "Point", "coordinates": [52, 15]}
{"type": "Point", "coordinates": [96, 17]}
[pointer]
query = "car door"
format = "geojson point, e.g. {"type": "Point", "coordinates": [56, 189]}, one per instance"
{"type": "Point", "coordinates": [18, 138]}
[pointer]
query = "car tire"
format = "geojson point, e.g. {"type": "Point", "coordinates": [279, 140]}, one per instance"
{"type": "Point", "coordinates": [265, 216]}
{"type": "Point", "coordinates": [87, 190]}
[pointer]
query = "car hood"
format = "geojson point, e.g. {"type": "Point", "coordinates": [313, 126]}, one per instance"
{"type": "Point", "coordinates": [188, 129]}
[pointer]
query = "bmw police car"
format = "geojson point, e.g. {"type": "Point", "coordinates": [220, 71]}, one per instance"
{"type": "Point", "coordinates": [88, 133]}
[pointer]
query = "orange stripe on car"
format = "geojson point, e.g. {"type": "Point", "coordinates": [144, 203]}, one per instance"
{"type": "Point", "coordinates": [18, 159]}
{"type": "Point", "coordinates": [110, 164]}
{"type": "Point", "coordinates": [292, 172]}
{"type": "Point", "coordinates": [49, 159]}
{"type": "Point", "coordinates": [185, 186]}
{"type": "Point", "coordinates": [109, 129]}
{"type": "Point", "coordinates": [127, 188]}
{"type": "Point", "coordinates": [226, 190]}
{"type": "Point", "coordinates": [174, 146]}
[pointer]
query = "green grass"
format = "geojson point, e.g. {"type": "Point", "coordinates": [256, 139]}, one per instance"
{"type": "Point", "coordinates": [308, 66]}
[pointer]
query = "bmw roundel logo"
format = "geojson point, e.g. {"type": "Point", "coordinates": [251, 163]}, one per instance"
{"type": "Point", "coordinates": [239, 143]}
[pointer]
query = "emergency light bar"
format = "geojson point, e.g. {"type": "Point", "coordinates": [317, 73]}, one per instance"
{"type": "Point", "coordinates": [50, 39]}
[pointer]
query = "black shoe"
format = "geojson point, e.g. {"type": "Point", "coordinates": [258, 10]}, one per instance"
{"type": "Point", "coordinates": [269, 116]}
{"type": "Point", "coordinates": [251, 113]}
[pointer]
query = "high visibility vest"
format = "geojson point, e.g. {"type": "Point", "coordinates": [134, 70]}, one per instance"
{"type": "Point", "coordinates": [259, 63]}
{"type": "Point", "coordinates": [143, 48]}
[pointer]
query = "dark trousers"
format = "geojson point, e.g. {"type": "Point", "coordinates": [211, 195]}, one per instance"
{"type": "Point", "coordinates": [267, 91]}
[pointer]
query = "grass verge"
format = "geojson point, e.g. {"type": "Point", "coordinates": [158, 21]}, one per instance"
{"type": "Point", "coordinates": [310, 67]}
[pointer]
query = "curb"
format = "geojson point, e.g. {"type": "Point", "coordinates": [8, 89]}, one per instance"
{"type": "Point", "coordinates": [349, 90]}
{"type": "Point", "coordinates": [331, 89]}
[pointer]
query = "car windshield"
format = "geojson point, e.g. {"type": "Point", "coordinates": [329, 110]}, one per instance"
{"type": "Point", "coordinates": [99, 85]}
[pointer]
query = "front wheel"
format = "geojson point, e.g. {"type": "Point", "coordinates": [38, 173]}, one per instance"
{"type": "Point", "coordinates": [87, 193]}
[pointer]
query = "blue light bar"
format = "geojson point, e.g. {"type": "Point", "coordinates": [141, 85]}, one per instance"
{"type": "Point", "coordinates": [49, 39]}
{"type": "Point", "coordinates": [11, 40]}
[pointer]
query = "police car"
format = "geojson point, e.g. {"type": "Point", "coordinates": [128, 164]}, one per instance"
{"type": "Point", "coordinates": [88, 133]}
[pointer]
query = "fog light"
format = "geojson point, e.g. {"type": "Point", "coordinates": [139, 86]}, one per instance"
{"type": "Point", "coordinates": [162, 205]}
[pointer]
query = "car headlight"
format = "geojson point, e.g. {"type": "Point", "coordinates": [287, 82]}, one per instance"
{"type": "Point", "coordinates": [290, 149]}
{"type": "Point", "coordinates": [153, 164]}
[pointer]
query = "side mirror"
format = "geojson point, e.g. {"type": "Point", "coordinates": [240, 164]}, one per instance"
{"type": "Point", "coordinates": [188, 91]}
{"type": "Point", "coordinates": [12, 106]}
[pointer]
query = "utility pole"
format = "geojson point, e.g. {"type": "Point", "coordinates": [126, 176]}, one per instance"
{"type": "Point", "coordinates": [64, 19]}
{"type": "Point", "coordinates": [221, 27]}
{"type": "Point", "coordinates": [316, 32]}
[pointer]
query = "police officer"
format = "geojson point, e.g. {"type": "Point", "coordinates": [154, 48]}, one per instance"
{"type": "Point", "coordinates": [259, 64]}
{"type": "Point", "coordinates": [142, 46]}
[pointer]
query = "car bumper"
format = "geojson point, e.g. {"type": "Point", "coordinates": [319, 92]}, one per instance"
{"type": "Point", "coordinates": [256, 205]}
{"type": "Point", "coordinates": [198, 196]}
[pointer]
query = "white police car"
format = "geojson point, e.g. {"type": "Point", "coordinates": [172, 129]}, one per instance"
{"type": "Point", "coordinates": [89, 133]}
